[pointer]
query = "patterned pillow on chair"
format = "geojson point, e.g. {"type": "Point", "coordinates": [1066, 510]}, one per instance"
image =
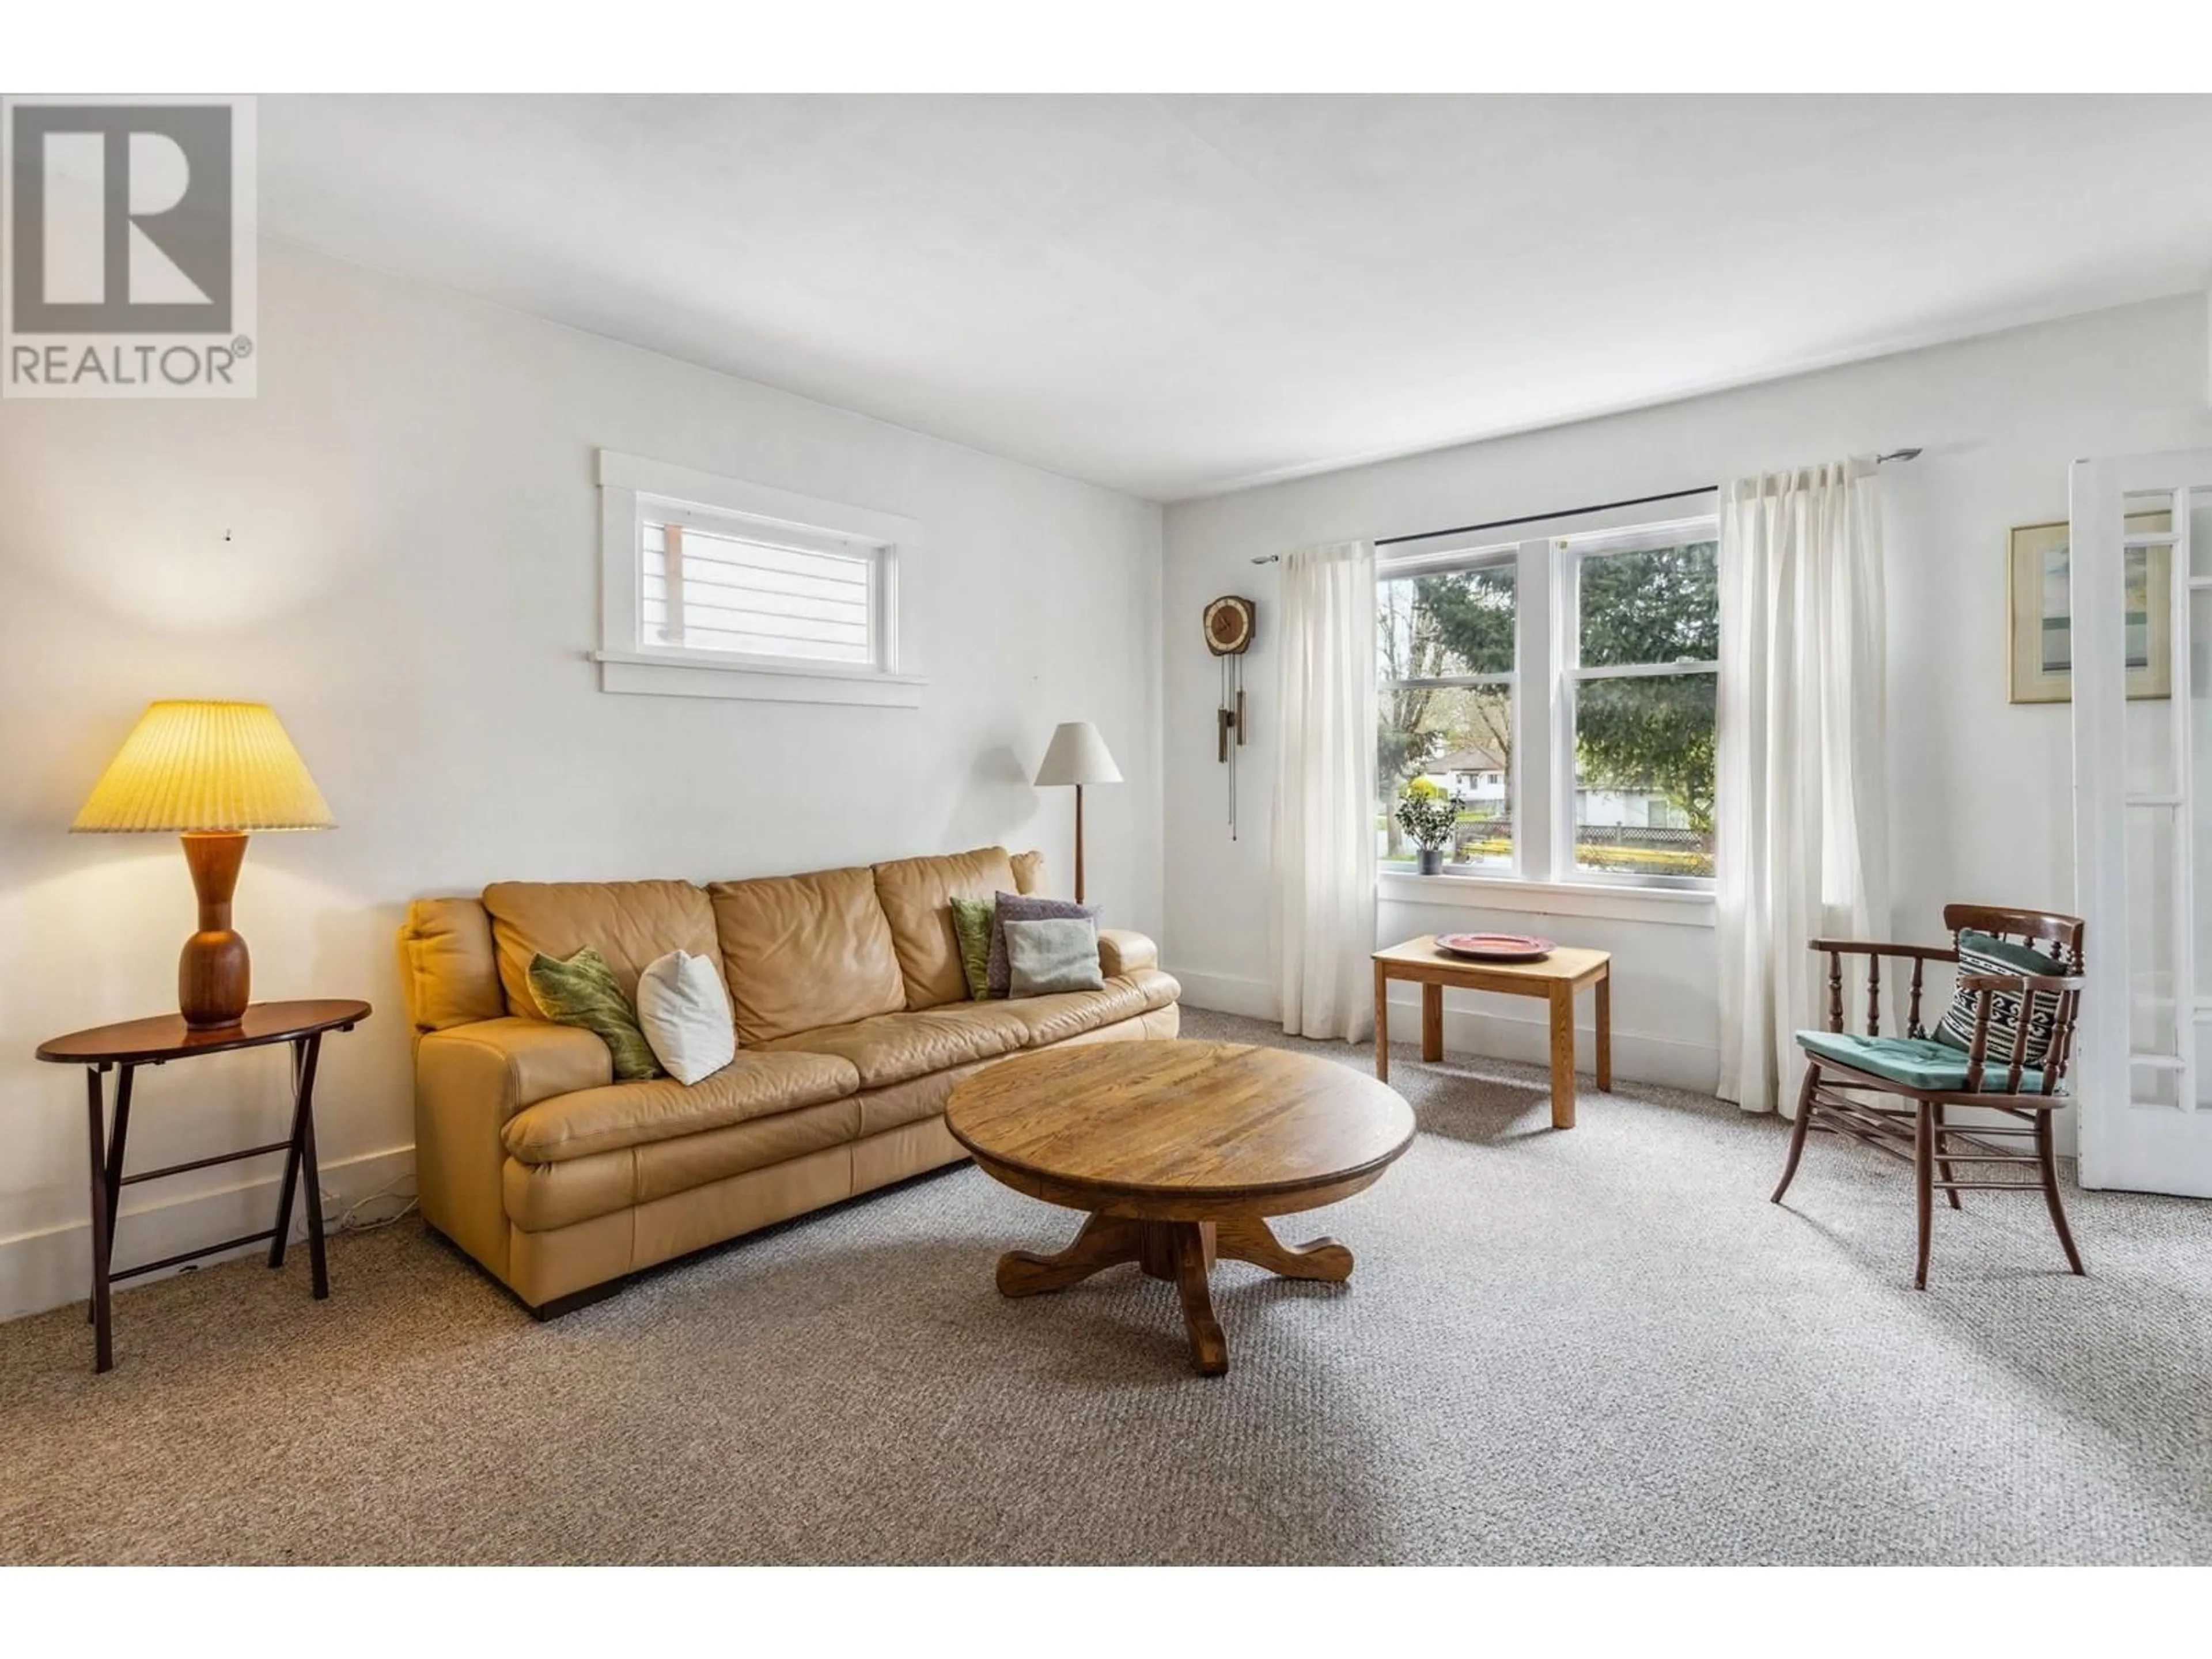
{"type": "Point", "coordinates": [1983, 953]}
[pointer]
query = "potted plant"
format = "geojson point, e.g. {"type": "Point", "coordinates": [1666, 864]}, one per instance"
{"type": "Point", "coordinates": [1428, 816]}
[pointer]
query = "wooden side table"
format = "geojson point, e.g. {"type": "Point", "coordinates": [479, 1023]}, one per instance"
{"type": "Point", "coordinates": [123, 1048]}
{"type": "Point", "coordinates": [1556, 979]}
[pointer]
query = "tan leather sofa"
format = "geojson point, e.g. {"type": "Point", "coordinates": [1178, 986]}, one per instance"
{"type": "Point", "coordinates": [853, 1024]}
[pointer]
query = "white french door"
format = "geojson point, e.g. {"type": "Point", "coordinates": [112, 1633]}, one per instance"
{"type": "Point", "coordinates": [2141, 568]}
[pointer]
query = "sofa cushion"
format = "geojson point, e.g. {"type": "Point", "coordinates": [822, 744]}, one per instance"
{"type": "Point", "coordinates": [668, 1167]}
{"type": "Point", "coordinates": [1029, 871]}
{"type": "Point", "coordinates": [1055, 1018]}
{"type": "Point", "coordinates": [898, 1104]}
{"type": "Point", "coordinates": [917, 897]}
{"type": "Point", "coordinates": [1157, 989]}
{"type": "Point", "coordinates": [633, 1113]}
{"type": "Point", "coordinates": [800, 952]}
{"type": "Point", "coordinates": [630, 923]}
{"type": "Point", "coordinates": [540, 1197]}
{"type": "Point", "coordinates": [892, 1048]}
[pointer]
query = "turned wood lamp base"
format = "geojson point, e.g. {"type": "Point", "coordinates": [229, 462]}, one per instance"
{"type": "Point", "coordinates": [214, 978]}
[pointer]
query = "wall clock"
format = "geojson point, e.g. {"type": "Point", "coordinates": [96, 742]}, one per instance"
{"type": "Point", "coordinates": [1228, 621]}
{"type": "Point", "coordinates": [1229, 626]}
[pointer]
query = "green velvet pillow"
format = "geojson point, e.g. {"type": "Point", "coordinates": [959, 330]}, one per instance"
{"type": "Point", "coordinates": [582, 991]}
{"type": "Point", "coordinates": [971, 925]}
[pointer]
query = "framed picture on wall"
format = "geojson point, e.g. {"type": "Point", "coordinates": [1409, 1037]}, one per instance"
{"type": "Point", "coordinates": [2043, 620]}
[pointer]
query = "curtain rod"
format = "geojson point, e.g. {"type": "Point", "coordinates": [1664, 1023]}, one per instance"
{"type": "Point", "coordinates": [1563, 512]}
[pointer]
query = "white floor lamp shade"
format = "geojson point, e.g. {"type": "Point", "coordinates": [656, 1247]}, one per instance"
{"type": "Point", "coordinates": [1078, 755]}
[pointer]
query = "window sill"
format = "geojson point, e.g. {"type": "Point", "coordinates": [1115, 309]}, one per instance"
{"type": "Point", "coordinates": [1670, 907]}
{"type": "Point", "coordinates": [673, 677]}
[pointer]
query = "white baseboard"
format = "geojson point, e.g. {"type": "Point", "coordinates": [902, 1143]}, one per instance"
{"type": "Point", "coordinates": [1229, 993]}
{"type": "Point", "coordinates": [1637, 1057]}
{"type": "Point", "coordinates": [51, 1267]}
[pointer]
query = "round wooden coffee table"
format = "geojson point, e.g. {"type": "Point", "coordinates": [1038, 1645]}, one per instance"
{"type": "Point", "coordinates": [1179, 1151]}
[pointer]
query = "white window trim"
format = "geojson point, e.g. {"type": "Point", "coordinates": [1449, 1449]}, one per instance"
{"type": "Point", "coordinates": [624, 480]}
{"type": "Point", "coordinates": [1671, 906]}
{"type": "Point", "coordinates": [1542, 879]}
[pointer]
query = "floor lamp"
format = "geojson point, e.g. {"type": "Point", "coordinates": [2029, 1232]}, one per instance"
{"type": "Point", "coordinates": [1078, 755]}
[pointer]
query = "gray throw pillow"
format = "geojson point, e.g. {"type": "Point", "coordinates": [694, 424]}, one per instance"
{"type": "Point", "coordinates": [1059, 953]}
{"type": "Point", "coordinates": [1017, 906]}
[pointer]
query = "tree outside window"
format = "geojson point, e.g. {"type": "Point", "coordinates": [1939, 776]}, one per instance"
{"type": "Point", "coordinates": [1644, 742]}
{"type": "Point", "coordinates": [1444, 662]}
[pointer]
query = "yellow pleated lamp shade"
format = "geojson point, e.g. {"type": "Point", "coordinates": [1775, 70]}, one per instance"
{"type": "Point", "coordinates": [206, 766]}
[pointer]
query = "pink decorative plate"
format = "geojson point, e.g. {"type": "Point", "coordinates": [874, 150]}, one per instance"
{"type": "Point", "coordinates": [1495, 947]}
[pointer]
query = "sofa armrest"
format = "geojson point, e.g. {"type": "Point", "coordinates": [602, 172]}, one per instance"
{"type": "Point", "coordinates": [510, 1063]}
{"type": "Point", "coordinates": [1121, 952]}
{"type": "Point", "coordinates": [469, 1081]}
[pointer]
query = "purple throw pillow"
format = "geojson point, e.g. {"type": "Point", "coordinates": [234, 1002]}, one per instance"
{"type": "Point", "coordinates": [1016, 907]}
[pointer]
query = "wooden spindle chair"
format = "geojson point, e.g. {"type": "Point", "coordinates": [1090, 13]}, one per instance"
{"type": "Point", "coordinates": [1849, 1078]}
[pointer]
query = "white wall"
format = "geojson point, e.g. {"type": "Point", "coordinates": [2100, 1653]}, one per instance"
{"type": "Point", "coordinates": [1980, 788]}
{"type": "Point", "coordinates": [397, 545]}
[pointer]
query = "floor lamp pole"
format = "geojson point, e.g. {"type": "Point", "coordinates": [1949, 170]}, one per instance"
{"type": "Point", "coordinates": [1079, 843]}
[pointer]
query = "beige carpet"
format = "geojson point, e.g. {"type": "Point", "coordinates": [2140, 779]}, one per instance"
{"type": "Point", "coordinates": [1603, 1346]}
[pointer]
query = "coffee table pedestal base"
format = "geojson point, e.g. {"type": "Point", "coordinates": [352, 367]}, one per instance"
{"type": "Point", "coordinates": [1181, 1252]}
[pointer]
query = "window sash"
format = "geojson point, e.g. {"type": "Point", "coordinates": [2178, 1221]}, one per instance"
{"type": "Point", "coordinates": [1450, 560]}
{"type": "Point", "coordinates": [1444, 562]}
{"type": "Point", "coordinates": [1569, 673]}
{"type": "Point", "coordinates": [1541, 772]}
{"type": "Point", "coordinates": [1641, 671]}
{"type": "Point", "coordinates": [1567, 860]}
{"type": "Point", "coordinates": [1643, 537]}
{"type": "Point", "coordinates": [1450, 682]}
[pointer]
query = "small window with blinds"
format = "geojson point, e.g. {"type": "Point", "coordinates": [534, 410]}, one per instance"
{"type": "Point", "coordinates": [720, 588]}
{"type": "Point", "coordinates": [710, 587]}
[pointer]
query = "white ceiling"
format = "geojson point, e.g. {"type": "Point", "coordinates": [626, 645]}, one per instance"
{"type": "Point", "coordinates": [1177, 296]}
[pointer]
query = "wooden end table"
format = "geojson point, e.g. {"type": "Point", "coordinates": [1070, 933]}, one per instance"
{"type": "Point", "coordinates": [1556, 979]}
{"type": "Point", "coordinates": [1179, 1151]}
{"type": "Point", "coordinates": [125, 1047]}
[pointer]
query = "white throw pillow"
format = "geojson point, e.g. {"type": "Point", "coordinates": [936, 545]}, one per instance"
{"type": "Point", "coordinates": [685, 1014]}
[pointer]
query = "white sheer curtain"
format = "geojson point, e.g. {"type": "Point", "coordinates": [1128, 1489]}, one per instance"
{"type": "Point", "coordinates": [1321, 864]}
{"type": "Point", "coordinates": [1802, 798]}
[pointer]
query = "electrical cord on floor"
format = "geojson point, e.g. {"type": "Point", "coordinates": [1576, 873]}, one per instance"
{"type": "Point", "coordinates": [345, 1220]}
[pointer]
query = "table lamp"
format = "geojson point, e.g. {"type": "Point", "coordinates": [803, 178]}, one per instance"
{"type": "Point", "coordinates": [214, 772]}
{"type": "Point", "coordinates": [1078, 755]}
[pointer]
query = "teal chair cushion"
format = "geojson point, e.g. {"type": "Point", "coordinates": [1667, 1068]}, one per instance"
{"type": "Point", "coordinates": [1916, 1062]}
